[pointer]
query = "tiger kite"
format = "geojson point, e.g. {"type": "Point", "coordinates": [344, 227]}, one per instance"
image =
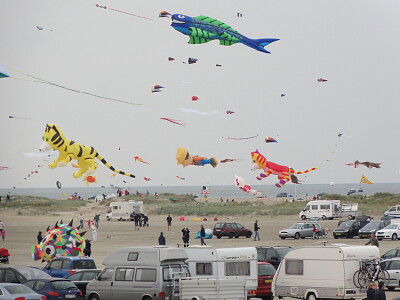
{"type": "Point", "coordinates": [284, 173]}
{"type": "Point", "coordinates": [53, 138]}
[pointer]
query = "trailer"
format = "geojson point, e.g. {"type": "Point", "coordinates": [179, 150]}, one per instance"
{"type": "Point", "coordinates": [122, 211]}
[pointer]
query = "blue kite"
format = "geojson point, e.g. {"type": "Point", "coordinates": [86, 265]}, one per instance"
{"type": "Point", "coordinates": [203, 29]}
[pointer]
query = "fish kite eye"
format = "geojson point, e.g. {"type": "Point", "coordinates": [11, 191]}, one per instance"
{"type": "Point", "coordinates": [181, 16]}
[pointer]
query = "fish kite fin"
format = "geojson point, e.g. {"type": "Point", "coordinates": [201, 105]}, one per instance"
{"type": "Point", "coordinates": [214, 22]}
{"type": "Point", "coordinates": [198, 40]}
{"type": "Point", "coordinates": [265, 42]}
{"type": "Point", "coordinates": [226, 43]}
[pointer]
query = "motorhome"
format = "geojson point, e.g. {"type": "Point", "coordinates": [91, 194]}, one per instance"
{"type": "Point", "coordinates": [356, 192]}
{"type": "Point", "coordinates": [206, 261]}
{"type": "Point", "coordinates": [324, 272]}
{"type": "Point", "coordinates": [122, 211]}
{"type": "Point", "coordinates": [321, 209]}
{"type": "Point", "coordinates": [393, 212]}
{"type": "Point", "coordinates": [137, 273]}
{"type": "Point", "coordinates": [349, 210]}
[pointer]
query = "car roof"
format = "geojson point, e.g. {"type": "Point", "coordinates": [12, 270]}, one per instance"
{"type": "Point", "coordinates": [73, 258]}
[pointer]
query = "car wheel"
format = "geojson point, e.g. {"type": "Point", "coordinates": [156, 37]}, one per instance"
{"type": "Point", "coordinates": [394, 237]}
{"type": "Point", "coordinates": [236, 236]}
{"type": "Point", "coordinates": [248, 234]}
{"type": "Point", "coordinates": [335, 236]}
{"type": "Point", "coordinates": [282, 237]}
{"type": "Point", "coordinates": [147, 298]}
{"type": "Point", "coordinates": [297, 236]}
{"type": "Point", "coordinates": [311, 296]}
{"type": "Point", "coordinates": [380, 239]}
{"type": "Point", "coordinates": [323, 217]}
{"type": "Point", "coordinates": [303, 237]}
{"type": "Point", "coordinates": [303, 217]}
{"type": "Point", "coordinates": [390, 288]}
{"type": "Point", "coordinates": [218, 236]}
{"type": "Point", "coordinates": [94, 297]}
{"type": "Point", "coordinates": [230, 235]}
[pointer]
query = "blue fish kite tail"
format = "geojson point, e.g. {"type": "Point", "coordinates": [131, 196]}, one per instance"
{"type": "Point", "coordinates": [261, 43]}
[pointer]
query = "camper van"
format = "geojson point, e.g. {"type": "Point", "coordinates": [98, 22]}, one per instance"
{"type": "Point", "coordinates": [324, 272]}
{"type": "Point", "coordinates": [321, 209]}
{"type": "Point", "coordinates": [137, 273]}
{"type": "Point", "coordinates": [224, 262]}
{"type": "Point", "coordinates": [356, 192]}
{"type": "Point", "coordinates": [122, 211]}
{"type": "Point", "coordinates": [393, 212]}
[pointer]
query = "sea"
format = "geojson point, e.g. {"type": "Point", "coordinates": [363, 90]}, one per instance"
{"type": "Point", "coordinates": [212, 191]}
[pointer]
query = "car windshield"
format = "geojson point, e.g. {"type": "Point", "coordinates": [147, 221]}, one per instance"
{"type": "Point", "coordinates": [371, 225]}
{"type": "Point", "coordinates": [345, 225]}
{"type": "Point", "coordinates": [283, 251]}
{"type": "Point", "coordinates": [18, 289]}
{"type": "Point", "coordinates": [296, 226]}
{"type": "Point", "coordinates": [266, 270]}
{"type": "Point", "coordinates": [392, 226]}
{"type": "Point", "coordinates": [63, 285]}
{"type": "Point", "coordinates": [32, 273]}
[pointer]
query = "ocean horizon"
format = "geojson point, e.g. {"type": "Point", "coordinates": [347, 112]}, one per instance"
{"type": "Point", "coordinates": [214, 191]}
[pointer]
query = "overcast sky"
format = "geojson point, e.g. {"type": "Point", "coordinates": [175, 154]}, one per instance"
{"type": "Point", "coordinates": [355, 45]}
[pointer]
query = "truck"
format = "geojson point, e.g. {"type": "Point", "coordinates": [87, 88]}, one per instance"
{"type": "Point", "coordinates": [122, 211]}
{"type": "Point", "coordinates": [206, 261]}
{"type": "Point", "coordinates": [322, 272]}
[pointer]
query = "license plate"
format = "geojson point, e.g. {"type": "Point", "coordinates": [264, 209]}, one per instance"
{"type": "Point", "coordinates": [70, 296]}
{"type": "Point", "coordinates": [364, 235]}
{"type": "Point", "coordinates": [338, 234]}
{"type": "Point", "coordinates": [267, 280]}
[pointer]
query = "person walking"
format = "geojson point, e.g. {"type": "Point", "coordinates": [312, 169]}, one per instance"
{"type": "Point", "coordinates": [81, 219]}
{"type": "Point", "coordinates": [145, 221]}
{"type": "Point", "coordinates": [96, 220]}
{"type": "Point", "coordinates": [371, 291]}
{"type": "Point", "coordinates": [161, 239]}
{"type": "Point", "coordinates": [380, 291]}
{"type": "Point", "coordinates": [169, 222]}
{"type": "Point", "coordinates": [315, 234]}
{"type": "Point", "coordinates": [202, 235]}
{"type": "Point", "coordinates": [3, 234]}
{"type": "Point", "coordinates": [2, 227]}
{"type": "Point", "coordinates": [373, 241]}
{"type": "Point", "coordinates": [39, 237]}
{"type": "Point", "coordinates": [94, 232]}
{"type": "Point", "coordinates": [88, 248]}
{"type": "Point", "coordinates": [256, 233]}
{"type": "Point", "coordinates": [136, 217]}
{"type": "Point", "coordinates": [185, 237]}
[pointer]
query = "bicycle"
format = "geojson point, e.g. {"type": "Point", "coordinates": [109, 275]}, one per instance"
{"type": "Point", "coordinates": [370, 271]}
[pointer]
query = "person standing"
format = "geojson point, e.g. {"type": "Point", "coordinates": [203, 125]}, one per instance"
{"type": "Point", "coordinates": [202, 235]}
{"type": "Point", "coordinates": [161, 239]}
{"type": "Point", "coordinates": [169, 222]}
{"type": "Point", "coordinates": [373, 241]}
{"type": "Point", "coordinates": [81, 219]}
{"type": "Point", "coordinates": [315, 232]}
{"type": "Point", "coordinates": [3, 234]}
{"type": "Point", "coordinates": [256, 233]}
{"type": "Point", "coordinates": [39, 237]}
{"type": "Point", "coordinates": [88, 248]}
{"type": "Point", "coordinates": [94, 232]}
{"type": "Point", "coordinates": [185, 237]}
{"type": "Point", "coordinates": [380, 292]}
{"type": "Point", "coordinates": [137, 219]}
{"type": "Point", "coordinates": [96, 220]}
{"type": "Point", "coordinates": [371, 291]}
{"type": "Point", "coordinates": [2, 227]}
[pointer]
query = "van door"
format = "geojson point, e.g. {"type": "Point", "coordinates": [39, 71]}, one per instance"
{"type": "Point", "coordinates": [103, 284]}
{"type": "Point", "coordinates": [146, 283]}
{"type": "Point", "coordinates": [314, 213]}
{"type": "Point", "coordinates": [123, 287]}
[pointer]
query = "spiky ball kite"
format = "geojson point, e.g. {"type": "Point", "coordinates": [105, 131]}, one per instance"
{"type": "Point", "coordinates": [60, 240]}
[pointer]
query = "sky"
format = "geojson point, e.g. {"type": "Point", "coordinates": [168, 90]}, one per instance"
{"type": "Point", "coordinates": [354, 45]}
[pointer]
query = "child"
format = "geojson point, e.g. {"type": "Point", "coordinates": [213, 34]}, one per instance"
{"type": "Point", "coordinates": [3, 234]}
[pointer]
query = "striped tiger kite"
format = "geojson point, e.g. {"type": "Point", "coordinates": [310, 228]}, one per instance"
{"type": "Point", "coordinates": [284, 173]}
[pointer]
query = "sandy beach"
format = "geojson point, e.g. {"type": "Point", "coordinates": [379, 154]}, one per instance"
{"type": "Point", "coordinates": [22, 230]}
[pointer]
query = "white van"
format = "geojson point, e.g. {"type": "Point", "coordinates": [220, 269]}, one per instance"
{"type": "Point", "coordinates": [393, 212]}
{"type": "Point", "coordinates": [121, 211]}
{"type": "Point", "coordinates": [356, 192]}
{"type": "Point", "coordinates": [321, 209]}
{"type": "Point", "coordinates": [324, 272]}
{"type": "Point", "coordinates": [206, 261]}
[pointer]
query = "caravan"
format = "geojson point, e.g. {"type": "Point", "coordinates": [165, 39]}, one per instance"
{"type": "Point", "coordinates": [122, 211]}
{"type": "Point", "coordinates": [324, 272]}
{"type": "Point", "coordinates": [321, 209]}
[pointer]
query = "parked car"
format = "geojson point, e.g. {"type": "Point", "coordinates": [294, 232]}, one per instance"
{"type": "Point", "coordinates": [284, 195]}
{"type": "Point", "coordinates": [10, 275]}
{"type": "Point", "coordinates": [351, 228]}
{"type": "Point", "coordinates": [272, 254]}
{"type": "Point", "coordinates": [81, 278]}
{"type": "Point", "coordinates": [230, 229]}
{"type": "Point", "coordinates": [391, 231]}
{"type": "Point", "coordinates": [392, 266]}
{"type": "Point", "coordinates": [301, 230]}
{"type": "Point", "coordinates": [266, 273]}
{"type": "Point", "coordinates": [371, 227]}
{"type": "Point", "coordinates": [13, 291]}
{"type": "Point", "coordinates": [55, 289]}
{"type": "Point", "coordinates": [66, 265]}
{"type": "Point", "coordinates": [391, 253]}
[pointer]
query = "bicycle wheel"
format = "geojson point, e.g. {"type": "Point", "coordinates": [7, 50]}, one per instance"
{"type": "Point", "coordinates": [363, 279]}
{"type": "Point", "coordinates": [355, 279]}
{"type": "Point", "coordinates": [384, 276]}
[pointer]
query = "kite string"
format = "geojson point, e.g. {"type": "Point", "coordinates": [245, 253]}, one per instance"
{"type": "Point", "coordinates": [124, 12]}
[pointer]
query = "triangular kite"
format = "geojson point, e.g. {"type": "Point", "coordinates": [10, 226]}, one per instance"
{"type": "Point", "coordinates": [365, 180]}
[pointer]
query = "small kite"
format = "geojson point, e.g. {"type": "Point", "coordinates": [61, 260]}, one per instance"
{"type": "Point", "coordinates": [185, 159]}
{"type": "Point", "coordinates": [171, 58]}
{"type": "Point", "coordinates": [204, 29]}
{"type": "Point", "coordinates": [239, 139]}
{"type": "Point", "coordinates": [365, 180]}
{"type": "Point", "coordinates": [181, 178]}
{"type": "Point", "coordinates": [342, 135]}
{"type": "Point", "coordinates": [177, 122]}
{"type": "Point", "coordinates": [269, 139]}
{"type": "Point", "coordinates": [227, 160]}
{"type": "Point", "coordinates": [54, 138]}
{"type": "Point", "coordinates": [139, 159]}
{"type": "Point", "coordinates": [195, 98]}
{"type": "Point", "coordinates": [294, 179]}
{"type": "Point", "coordinates": [192, 60]}
{"type": "Point", "coordinates": [241, 184]}
{"type": "Point", "coordinates": [283, 95]}
{"type": "Point", "coordinates": [322, 80]}
{"type": "Point", "coordinates": [89, 179]}
{"type": "Point", "coordinates": [39, 28]}
{"type": "Point", "coordinates": [3, 72]}
{"type": "Point", "coordinates": [229, 112]}
{"type": "Point", "coordinates": [22, 118]}
{"type": "Point", "coordinates": [147, 178]}
{"type": "Point", "coordinates": [199, 113]}
{"type": "Point", "coordinates": [218, 65]}
{"type": "Point", "coordinates": [58, 184]}
{"type": "Point", "coordinates": [120, 11]}
{"type": "Point", "coordinates": [156, 88]}
{"type": "Point", "coordinates": [2, 168]}
{"type": "Point", "coordinates": [260, 162]}
{"type": "Point", "coordinates": [367, 164]}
